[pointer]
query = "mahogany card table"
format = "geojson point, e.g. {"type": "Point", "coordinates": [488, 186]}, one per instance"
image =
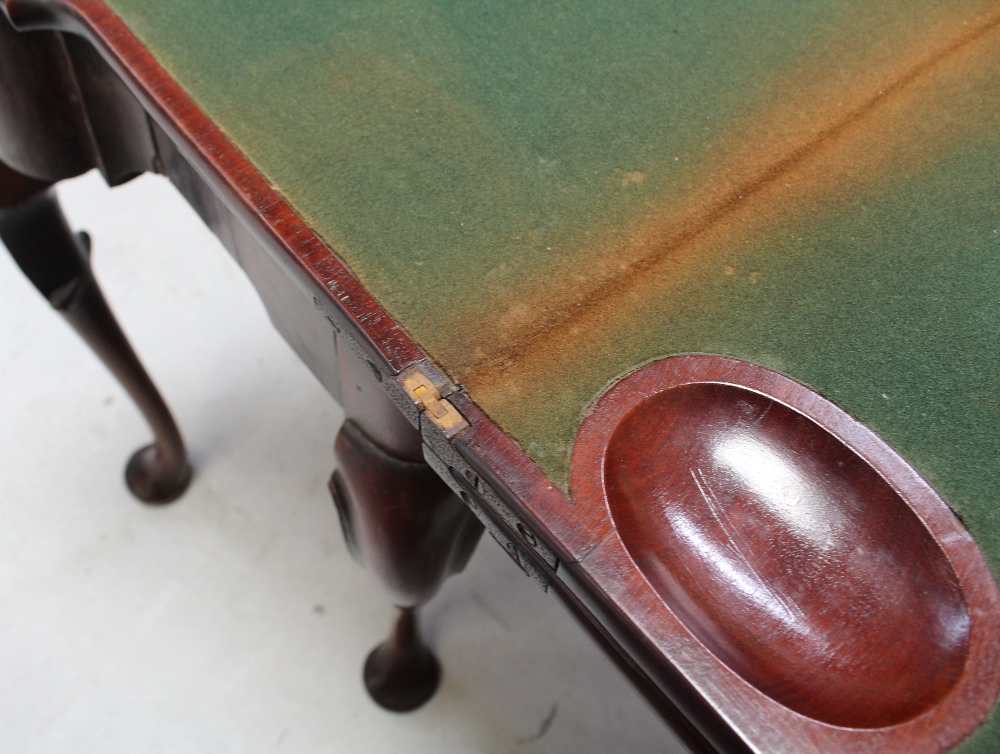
{"type": "Point", "coordinates": [693, 306]}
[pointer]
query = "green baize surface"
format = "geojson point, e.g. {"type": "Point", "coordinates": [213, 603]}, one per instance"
{"type": "Point", "coordinates": [548, 195]}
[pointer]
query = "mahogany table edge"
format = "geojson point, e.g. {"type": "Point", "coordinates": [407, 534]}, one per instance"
{"type": "Point", "coordinates": [490, 472]}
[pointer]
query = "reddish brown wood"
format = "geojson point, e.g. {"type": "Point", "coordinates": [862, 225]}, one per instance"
{"type": "Point", "coordinates": [58, 263]}
{"type": "Point", "coordinates": [434, 533]}
{"type": "Point", "coordinates": [16, 188]}
{"type": "Point", "coordinates": [406, 525]}
{"type": "Point", "coordinates": [742, 512]}
{"type": "Point", "coordinates": [223, 167]}
{"type": "Point", "coordinates": [116, 125]}
{"type": "Point", "coordinates": [574, 532]}
{"type": "Point", "coordinates": [63, 110]}
{"type": "Point", "coordinates": [402, 521]}
{"type": "Point", "coordinates": [796, 570]}
{"type": "Point", "coordinates": [402, 674]}
{"type": "Point", "coordinates": [43, 132]}
{"type": "Point", "coordinates": [611, 592]}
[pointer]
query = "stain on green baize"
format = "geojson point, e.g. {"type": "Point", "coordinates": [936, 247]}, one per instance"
{"type": "Point", "coordinates": [449, 151]}
{"type": "Point", "coordinates": [439, 147]}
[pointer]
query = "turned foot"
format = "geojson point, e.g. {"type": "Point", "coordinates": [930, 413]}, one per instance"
{"type": "Point", "coordinates": [154, 475]}
{"type": "Point", "coordinates": [402, 673]}
{"type": "Point", "coordinates": [58, 263]}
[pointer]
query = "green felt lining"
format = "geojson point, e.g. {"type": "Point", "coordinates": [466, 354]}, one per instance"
{"type": "Point", "coordinates": [456, 153]}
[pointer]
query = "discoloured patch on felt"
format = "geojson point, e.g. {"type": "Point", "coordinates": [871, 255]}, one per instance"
{"type": "Point", "coordinates": [883, 125]}
{"type": "Point", "coordinates": [455, 154]}
{"type": "Point", "coordinates": [473, 143]}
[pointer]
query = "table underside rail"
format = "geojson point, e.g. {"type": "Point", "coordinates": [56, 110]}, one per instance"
{"type": "Point", "coordinates": [304, 319]}
{"type": "Point", "coordinates": [96, 98]}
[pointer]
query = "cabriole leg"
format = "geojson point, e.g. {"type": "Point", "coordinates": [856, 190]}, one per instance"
{"type": "Point", "coordinates": [406, 525]}
{"type": "Point", "coordinates": [58, 263]}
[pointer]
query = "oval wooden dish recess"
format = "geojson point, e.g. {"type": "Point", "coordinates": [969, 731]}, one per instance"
{"type": "Point", "coordinates": [798, 573]}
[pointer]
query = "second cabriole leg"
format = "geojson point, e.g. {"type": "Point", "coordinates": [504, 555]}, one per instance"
{"type": "Point", "coordinates": [58, 263]}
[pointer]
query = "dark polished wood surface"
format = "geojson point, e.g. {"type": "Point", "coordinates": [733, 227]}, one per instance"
{"type": "Point", "coordinates": [809, 562]}
{"type": "Point", "coordinates": [742, 512]}
{"type": "Point", "coordinates": [639, 589]}
{"type": "Point", "coordinates": [401, 520]}
{"type": "Point", "coordinates": [57, 262]}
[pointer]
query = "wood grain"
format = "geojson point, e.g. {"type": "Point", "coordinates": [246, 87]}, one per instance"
{"type": "Point", "coordinates": [226, 170]}
{"type": "Point", "coordinates": [600, 577]}
{"type": "Point", "coordinates": [799, 573]}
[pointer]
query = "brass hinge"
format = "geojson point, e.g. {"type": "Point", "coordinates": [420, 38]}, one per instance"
{"type": "Point", "coordinates": [428, 397]}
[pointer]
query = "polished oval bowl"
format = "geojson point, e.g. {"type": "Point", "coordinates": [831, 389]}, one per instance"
{"type": "Point", "coordinates": [787, 555]}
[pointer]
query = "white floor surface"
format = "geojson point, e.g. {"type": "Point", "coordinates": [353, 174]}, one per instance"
{"type": "Point", "coordinates": [233, 620]}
